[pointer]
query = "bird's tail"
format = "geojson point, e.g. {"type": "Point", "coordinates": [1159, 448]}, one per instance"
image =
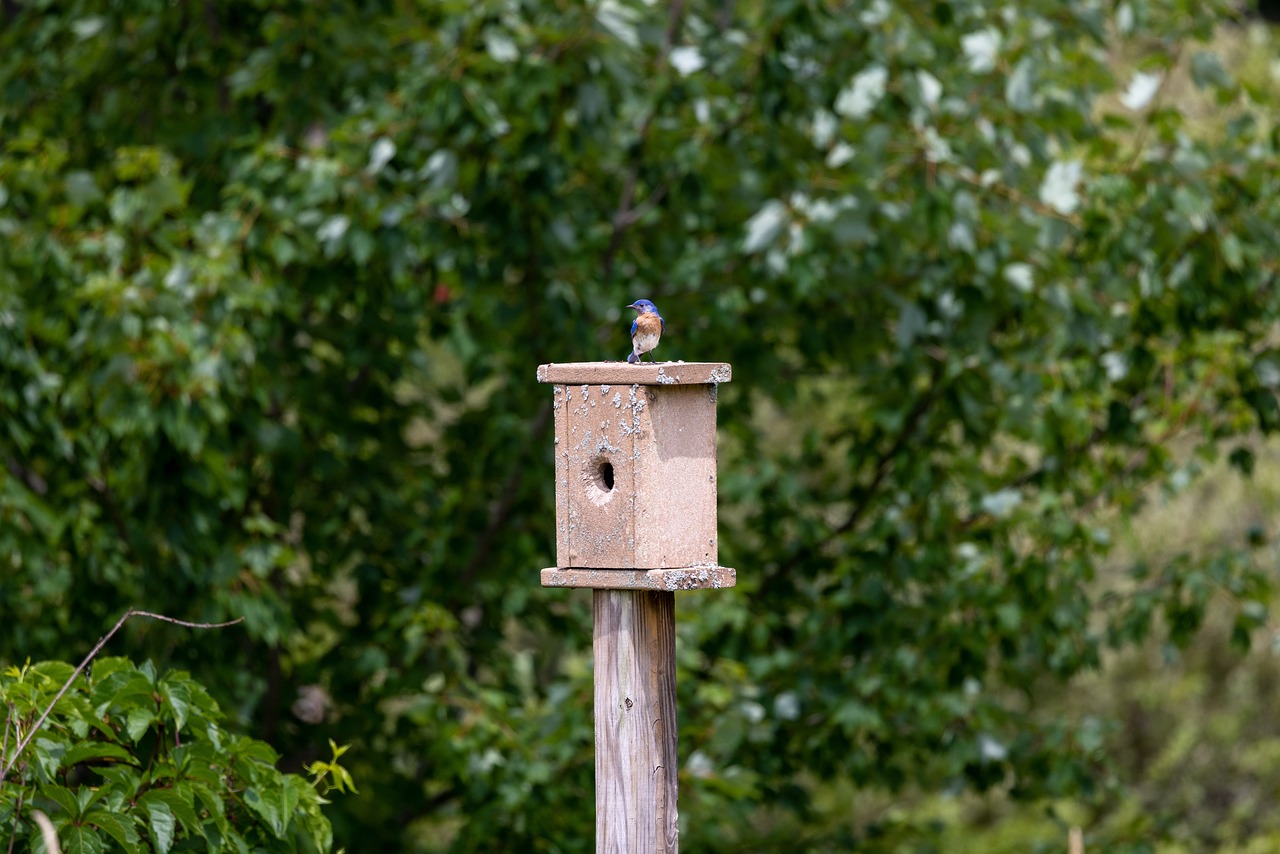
{"type": "Point", "coordinates": [631, 358]}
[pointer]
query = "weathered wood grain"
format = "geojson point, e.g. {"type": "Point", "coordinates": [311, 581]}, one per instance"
{"type": "Point", "coordinates": [686, 578]}
{"type": "Point", "coordinates": [621, 373]}
{"type": "Point", "coordinates": [635, 719]}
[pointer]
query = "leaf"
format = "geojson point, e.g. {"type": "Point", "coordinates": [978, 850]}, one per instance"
{"type": "Point", "coordinates": [1242, 459]}
{"type": "Point", "coordinates": [333, 229]}
{"type": "Point", "coordinates": [1001, 503]}
{"type": "Point", "coordinates": [176, 695]}
{"type": "Point", "coordinates": [862, 94]}
{"type": "Point", "coordinates": [57, 672]}
{"type": "Point", "coordinates": [88, 750]}
{"type": "Point", "coordinates": [207, 798]}
{"type": "Point", "coordinates": [124, 777]}
{"type": "Point", "coordinates": [765, 226]}
{"type": "Point", "coordinates": [911, 324]}
{"type": "Point", "coordinates": [268, 803]}
{"type": "Point", "coordinates": [161, 822]}
{"type": "Point", "coordinates": [686, 59]}
{"type": "Point", "coordinates": [130, 689]}
{"type": "Point", "coordinates": [1142, 88]}
{"type": "Point", "coordinates": [1232, 251]}
{"type": "Point", "coordinates": [117, 827]}
{"type": "Point", "coordinates": [258, 751]}
{"type": "Point", "coordinates": [87, 28]}
{"type": "Point", "coordinates": [1021, 276]}
{"type": "Point", "coordinates": [112, 665]}
{"type": "Point", "coordinates": [1207, 71]}
{"type": "Point", "coordinates": [80, 839]}
{"type": "Point", "coordinates": [283, 250]}
{"type": "Point", "coordinates": [383, 150]}
{"type": "Point", "coordinates": [137, 722]}
{"type": "Point", "coordinates": [1020, 88]}
{"type": "Point", "coordinates": [930, 89]}
{"type": "Point", "coordinates": [620, 20]}
{"type": "Point", "coordinates": [500, 46]}
{"type": "Point", "coordinates": [982, 48]}
{"type": "Point", "coordinates": [179, 804]}
{"type": "Point", "coordinates": [362, 246]}
{"type": "Point", "coordinates": [1058, 190]}
{"type": "Point", "coordinates": [64, 798]}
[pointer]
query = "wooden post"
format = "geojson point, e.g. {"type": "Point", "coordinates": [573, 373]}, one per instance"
{"type": "Point", "coordinates": [636, 479]}
{"type": "Point", "coordinates": [635, 711]}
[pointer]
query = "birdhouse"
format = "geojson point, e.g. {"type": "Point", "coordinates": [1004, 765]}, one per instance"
{"type": "Point", "coordinates": [635, 467]}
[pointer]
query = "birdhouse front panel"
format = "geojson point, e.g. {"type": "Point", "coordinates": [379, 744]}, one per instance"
{"type": "Point", "coordinates": [635, 468]}
{"type": "Point", "coordinates": [595, 477]}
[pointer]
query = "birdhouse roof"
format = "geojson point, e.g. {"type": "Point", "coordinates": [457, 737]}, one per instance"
{"type": "Point", "coordinates": [623, 373]}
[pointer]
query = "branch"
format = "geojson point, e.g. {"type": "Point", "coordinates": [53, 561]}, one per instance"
{"type": "Point", "coordinates": [33, 481]}
{"type": "Point", "coordinates": [884, 463]}
{"type": "Point", "coordinates": [17, 812]}
{"type": "Point", "coordinates": [625, 219]}
{"type": "Point", "coordinates": [132, 612]}
{"type": "Point", "coordinates": [1017, 197]}
{"type": "Point", "coordinates": [1157, 102]}
{"type": "Point", "coordinates": [502, 508]}
{"type": "Point", "coordinates": [8, 725]}
{"type": "Point", "coordinates": [1100, 432]}
{"type": "Point", "coordinates": [112, 507]}
{"type": "Point", "coordinates": [621, 218]}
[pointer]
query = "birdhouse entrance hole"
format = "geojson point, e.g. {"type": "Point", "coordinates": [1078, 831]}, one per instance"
{"type": "Point", "coordinates": [599, 481]}
{"type": "Point", "coordinates": [605, 473]}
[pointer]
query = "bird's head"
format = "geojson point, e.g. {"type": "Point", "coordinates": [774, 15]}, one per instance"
{"type": "Point", "coordinates": [644, 306]}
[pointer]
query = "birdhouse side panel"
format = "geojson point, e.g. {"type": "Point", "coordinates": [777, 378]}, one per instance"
{"type": "Point", "coordinates": [675, 520]}
{"type": "Point", "coordinates": [595, 477]}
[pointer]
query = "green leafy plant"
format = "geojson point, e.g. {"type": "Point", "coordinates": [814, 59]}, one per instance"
{"type": "Point", "coordinates": [137, 760]}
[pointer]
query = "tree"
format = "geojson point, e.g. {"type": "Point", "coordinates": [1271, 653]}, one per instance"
{"type": "Point", "coordinates": [275, 277]}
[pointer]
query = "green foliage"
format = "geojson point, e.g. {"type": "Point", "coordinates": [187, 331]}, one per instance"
{"type": "Point", "coordinates": [134, 760]}
{"type": "Point", "coordinates": [274, 278]}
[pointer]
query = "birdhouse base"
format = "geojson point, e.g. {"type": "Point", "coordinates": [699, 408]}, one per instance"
{"type": "Point", "coordinates": [684, 578]}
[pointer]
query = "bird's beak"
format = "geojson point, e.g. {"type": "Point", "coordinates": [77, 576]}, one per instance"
{"type": "Point", "coordinates": [633, 305]}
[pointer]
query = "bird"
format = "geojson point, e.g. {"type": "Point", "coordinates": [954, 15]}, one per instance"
{"type": "Point", "coordinates": [646, 329]}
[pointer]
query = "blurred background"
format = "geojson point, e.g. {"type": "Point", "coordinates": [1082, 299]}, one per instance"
{"type": "Point", "coordinates": [998, 284]}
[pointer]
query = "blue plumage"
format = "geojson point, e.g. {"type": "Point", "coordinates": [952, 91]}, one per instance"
{"type": "Point", "coordinates": [646, 330]}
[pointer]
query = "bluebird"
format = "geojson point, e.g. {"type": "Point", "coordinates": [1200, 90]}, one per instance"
{"type": "Point", "coordinates": [646, 329]}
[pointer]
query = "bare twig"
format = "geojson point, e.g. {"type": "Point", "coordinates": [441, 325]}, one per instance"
{"type": "Point", "coordinates": [8, 725]}
{"type": "Point", "coordinates": [132, 612]}
{"type": "Point", "coordinates": [33, 481]}
{"type": "Point", "coordinates": [884, 465]}
{"type": "Point", "coordinates": [1017, 197]}
{"type": "Point", "coordinates": [1157, 102]}
{"type": "Point", "coordinates": [501, 510]}
{"type": "Point", "coordinates": [885, 462]}
{"type": "Point", "coordinates": [17, 812]}
{"type": "Point", "coordinates": [633, 215]}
